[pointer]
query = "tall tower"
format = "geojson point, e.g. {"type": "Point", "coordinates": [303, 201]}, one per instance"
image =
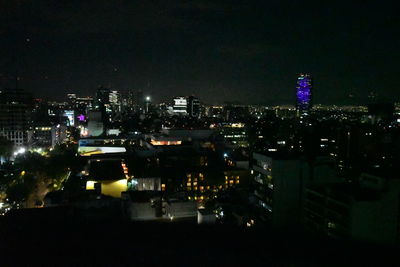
{"type": "Point", "coordinates": [193, 107]}
{"type": "Point", "coordinates": [304, 93]}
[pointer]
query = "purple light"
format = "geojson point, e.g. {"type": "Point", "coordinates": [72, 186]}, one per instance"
{"type": "Point", "coordinates": [81, 117]}
{"type": "Point", "coordinates": [304, 92]}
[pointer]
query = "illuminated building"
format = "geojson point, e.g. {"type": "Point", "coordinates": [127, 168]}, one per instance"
{"type": "Point", "coordinates": [48, 136]}
{"type": "Point", "coordinates": [201, 187]}
{"type": "Point", "coordinates": [166, 142]}
{"type": "Point", "coordinates": [147, 104]}
{"type": "Point", "coordinates": [214, 111]}
{"type": "Point", "coordinates": [108, 103]}
{"type": "Point", "coordinates": [128, 102]}
{"type": "Point", "coordinates": [70, 114]}
{"type": "Point", "coordinates": [82, 106]}
{"type": "Point", "coordinates": [95, 124]}
{"type": "Point", "coordinates": [180, 105]}
{"type": "Point", "coordinates": [91, 146]}
{"type": "Point", "coordinates": [145, 184]}
{"type": "Point", "coordinates": [304, 93]}
{"type": "Point", "coordinates": [235, 134]}
{"type": "Point", "coordinates": [107, 177]}
{"type": "Point", "coordinates": [114, 97]}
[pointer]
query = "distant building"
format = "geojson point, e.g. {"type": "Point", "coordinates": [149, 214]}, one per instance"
{"type": "Point", "coordinates": [82, 106]}
{"type": "Point", "coordinates": [193, 107]}
{"type": "Point", "coordinates": [235, 134]}
{"type": "Point", "coordinates": [128, 101]}
{"type": "Point", "coordinates": [15, 115]}
{"type": "Point", "coordinates": [107, 101]}
{"type": "Point", "coordinates": [304, 94]}
{"type": "Point", "coordinates": [97, 146]}
{"type": "Point", "coordinates": [95, 124]}
{"type": "Point", "coordinates": [180, 105]}
{"type": "Point", "coordinates": [236, 113]}
{"type": "Point", "coordinates": [381, 112]}
{"type": "Point", "coordinates": [107, 177]}
{"type": "Point", "coordinates": [48, 136]}
{"type": "Point", "coordinates": [71, 99]}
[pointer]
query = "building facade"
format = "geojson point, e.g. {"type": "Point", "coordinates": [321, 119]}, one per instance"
{"type": "Point", "coordinates": [304, 93]}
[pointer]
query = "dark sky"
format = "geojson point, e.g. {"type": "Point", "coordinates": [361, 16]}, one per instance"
{"type": "Point", "coordinates": [247, 51]}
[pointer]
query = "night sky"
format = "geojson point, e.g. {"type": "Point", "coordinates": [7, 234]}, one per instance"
{"type": "Point", "coordinates": [246, 51]}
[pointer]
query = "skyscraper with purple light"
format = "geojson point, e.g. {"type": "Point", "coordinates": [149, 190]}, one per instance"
{"type": "Point", "coordinates": [304, 93]}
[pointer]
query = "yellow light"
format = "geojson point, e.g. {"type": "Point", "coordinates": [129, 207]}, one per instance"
{"type": "Point", "coordinates": [90, 185]}
{"type": "Point", "coordinates": [23, 173]}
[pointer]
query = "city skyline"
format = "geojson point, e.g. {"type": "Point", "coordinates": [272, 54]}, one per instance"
{"type": "Point", "coordinates": [247, 52]}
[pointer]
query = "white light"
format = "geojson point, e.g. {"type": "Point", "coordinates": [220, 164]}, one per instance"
{"type": "Point", "coordinates": [22, 150]}
{"type": "Point", "coordinates": [147, 98]}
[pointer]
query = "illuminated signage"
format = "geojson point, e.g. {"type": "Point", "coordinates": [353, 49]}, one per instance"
{"type": "Point", "coordinates": [81, 117]}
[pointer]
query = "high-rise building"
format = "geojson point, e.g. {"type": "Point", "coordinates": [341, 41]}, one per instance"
{"type": "Point", "coordinates": [139, 101]}
{"type": "Point", "coordinates": [193, 107]}
{"type": "Point", "coordinates": [304, 93]}
{"type": "Point", "coordinates": [15, 113]}
{"type": "Point", "coordinates": [180, 105]}
{"type": "Point", "coordinates": [71, 98]}
{"type": "Point", "coordinates": [278, 184]}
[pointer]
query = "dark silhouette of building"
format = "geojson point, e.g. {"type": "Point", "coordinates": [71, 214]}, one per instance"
{"type": "Point", "coordinates": [193, 107]}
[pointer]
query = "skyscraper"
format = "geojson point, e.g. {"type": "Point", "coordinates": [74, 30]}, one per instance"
{"type": "Point", "coordinates": [193, 107]}
{"type": "Point", "coordinates": [304, 93]}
